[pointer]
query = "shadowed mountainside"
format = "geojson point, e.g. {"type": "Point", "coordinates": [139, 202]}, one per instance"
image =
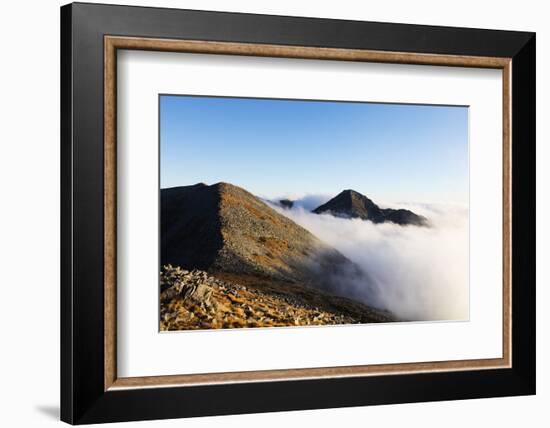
{"type": "Point", "coordinates": [190, 226]}
{"type": "Point", "coordinates": [352, 204]}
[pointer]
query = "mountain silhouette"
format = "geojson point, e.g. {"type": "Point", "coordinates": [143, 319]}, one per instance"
{"type": "Point", "coordinates": [352, 204]}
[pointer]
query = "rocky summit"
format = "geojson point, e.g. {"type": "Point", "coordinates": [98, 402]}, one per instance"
{"type": "Point", "coordinates": [352, 204]}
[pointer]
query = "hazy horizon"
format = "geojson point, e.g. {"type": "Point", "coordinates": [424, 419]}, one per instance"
{"type": "Point", "coordinates": [297, 149]}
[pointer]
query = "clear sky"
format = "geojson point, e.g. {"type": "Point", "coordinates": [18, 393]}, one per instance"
{"type": "Point", "coordinates": [273, 148]}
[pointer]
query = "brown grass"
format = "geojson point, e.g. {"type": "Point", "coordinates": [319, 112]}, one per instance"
{"type": "Point", "coordinates": [253, 301]}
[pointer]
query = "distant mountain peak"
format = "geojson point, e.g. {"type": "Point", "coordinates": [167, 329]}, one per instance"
{"type": "Point", "coordinates": [286, 203]}
{"type": "Point", "coordinates": [352, 204]}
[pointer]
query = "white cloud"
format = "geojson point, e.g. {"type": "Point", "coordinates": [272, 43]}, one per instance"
{"type": "Point", "coordinates": [419, 273]}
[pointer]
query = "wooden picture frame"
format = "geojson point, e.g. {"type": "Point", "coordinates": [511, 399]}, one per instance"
{"type": "Point", "coordinates": [91, 390]}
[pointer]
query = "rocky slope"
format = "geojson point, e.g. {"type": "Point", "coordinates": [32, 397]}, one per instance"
{"type": "Point", "coordinates": [224, 228]}
{"type": "Point", "coordinates": [352, 204]}
{"type": "Point", "coordinates": [281, 272]}
{"type": "Point", "coordinates": [198, 300]}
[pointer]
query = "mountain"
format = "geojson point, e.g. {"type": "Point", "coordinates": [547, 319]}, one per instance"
{"type": "Point", "coordinates": [352, 204]}
{"type": "Point", "coordinates": [230, 260]}
{"type": "Point", "coordinates": [224, 228]}
{"type": "Point", "coordinates": [286, 203]}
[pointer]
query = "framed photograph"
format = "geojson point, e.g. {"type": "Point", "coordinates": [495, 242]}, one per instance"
{"type": "Point", "coordinates": [266, 213]}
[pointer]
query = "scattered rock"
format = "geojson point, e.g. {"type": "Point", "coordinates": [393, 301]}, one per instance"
{"type": "Point", "coordinates": [195, 285]}
{"type": "Point", "coordinates": [199, 300]}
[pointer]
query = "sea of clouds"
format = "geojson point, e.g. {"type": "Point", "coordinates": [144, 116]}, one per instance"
{"type": "Point", "coordinates": [418, 273]}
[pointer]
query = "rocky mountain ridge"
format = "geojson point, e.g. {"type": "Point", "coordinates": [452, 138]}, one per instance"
{"type": "Point", "coordinates": [224, 228]}
{"type": "Point", "coordinates": [352, 204]}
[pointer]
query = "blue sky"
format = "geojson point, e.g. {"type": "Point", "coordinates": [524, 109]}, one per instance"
{"type": "Point", "coordinates": [397, 152]}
